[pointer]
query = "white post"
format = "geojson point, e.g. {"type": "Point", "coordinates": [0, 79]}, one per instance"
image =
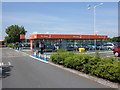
{"type": "Point", "coordinates": [39, 55]}
{"type": "Point", "coordinates": [94, 19]}
{"type": "Point", "coordinates": [94, 25]}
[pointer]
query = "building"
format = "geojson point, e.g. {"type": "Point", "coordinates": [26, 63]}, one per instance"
{"type": "Point", "coordinates": [62, 38]}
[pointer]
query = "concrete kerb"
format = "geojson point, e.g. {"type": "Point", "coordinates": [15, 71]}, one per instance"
{"type": "Point", "coordinates": [38, 59]}
{"type": "Point", "coordinates": [98, 80]}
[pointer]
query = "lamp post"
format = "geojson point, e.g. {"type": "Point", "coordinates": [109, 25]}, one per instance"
{"type": "Point", "coordinates": [94, 17]}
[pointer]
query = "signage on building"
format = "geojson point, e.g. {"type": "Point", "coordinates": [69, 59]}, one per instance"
{"type": "Point", "coordinates": [22, 36]}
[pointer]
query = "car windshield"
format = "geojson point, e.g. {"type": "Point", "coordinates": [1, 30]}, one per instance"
{"type": "Point", "coordinates": [109, 44]}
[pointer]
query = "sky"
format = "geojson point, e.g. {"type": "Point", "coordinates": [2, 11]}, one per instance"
{"type": "Point", "coordinates": [0, 21]}
{"type": "Point", "coordinates": [61, 17]}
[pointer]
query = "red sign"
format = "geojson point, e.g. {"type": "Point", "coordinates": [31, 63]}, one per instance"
{"type": "Point", "coordinates": [63, 36]}
{"type": "Point", "coordinates": [22, 36]}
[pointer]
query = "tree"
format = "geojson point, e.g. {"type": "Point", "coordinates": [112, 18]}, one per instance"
{"type": "Point", "coordinates": [13, 33]}
{"type": "Point", "coordinates": [116, 39]}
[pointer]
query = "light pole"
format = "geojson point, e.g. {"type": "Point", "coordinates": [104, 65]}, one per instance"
{"type": "Point", "coordinates": [94, 17]}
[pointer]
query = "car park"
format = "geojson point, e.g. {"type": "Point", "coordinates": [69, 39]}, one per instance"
{"type": "Point", "coordinates": [116, 50]}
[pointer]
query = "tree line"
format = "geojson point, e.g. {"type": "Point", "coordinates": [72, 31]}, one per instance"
{"type": "Point", "coordinates": [114, 39]}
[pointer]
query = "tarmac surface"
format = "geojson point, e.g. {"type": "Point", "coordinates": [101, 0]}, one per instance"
{"type": "Point", "coordinates": [30, 73]}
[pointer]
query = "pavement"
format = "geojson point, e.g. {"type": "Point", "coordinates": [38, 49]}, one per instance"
{"type": "Point", "coordinates": [28, 72]}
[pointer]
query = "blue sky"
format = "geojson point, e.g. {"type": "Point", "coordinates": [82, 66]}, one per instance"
{"type": "Point", "coordinates": [61, 17]}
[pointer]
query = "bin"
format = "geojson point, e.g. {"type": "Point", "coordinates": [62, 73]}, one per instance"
{"type": "Point", "coordinates": [81, 49]}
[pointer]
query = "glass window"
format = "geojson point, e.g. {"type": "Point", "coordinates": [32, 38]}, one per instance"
{"type": "Point", "coordinates": [109, 44]}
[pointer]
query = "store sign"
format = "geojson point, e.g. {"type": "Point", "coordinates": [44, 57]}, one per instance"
{"type": "Point", "coordinates": [22, 36]}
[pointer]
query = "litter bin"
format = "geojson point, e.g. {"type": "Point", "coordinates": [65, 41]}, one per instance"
{"type": "Point", "coordinates": [81, 49]}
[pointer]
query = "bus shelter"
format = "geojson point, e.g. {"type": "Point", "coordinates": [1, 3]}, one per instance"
{"type": "Point", "coordinates": [36, 39]}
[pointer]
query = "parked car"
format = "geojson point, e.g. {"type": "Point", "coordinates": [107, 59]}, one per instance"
{"type": "Point", "coordinates": [92, 46]}
{"type": "Point", "coordinates": [109, 46]}
{"type": "Point", "coordinates": [85, 46]}
{"type": "Point", "coordinates": [18, 44]}
{"type": "Point", "coordinates": [77, 46]}
{"type": "Point", "coordinates": [116, 50]}
{"type": "Point", "coordinates": [57, 46]}
{"type": "Point", "coordinates": [70, 47]}
{"type": "Point", "coordinates": [49, 47]}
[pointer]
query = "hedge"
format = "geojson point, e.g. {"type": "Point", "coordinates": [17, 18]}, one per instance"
{"type": "Point", "coordinates": [12, 46]}
{"type": "Point", "coordinates": [103, 67]}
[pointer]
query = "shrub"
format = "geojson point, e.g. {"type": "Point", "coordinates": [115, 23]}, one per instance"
{"type": "Point", "coordinates": [61, 50]}
{"type": "Point", "coordinates": [107, 71]}
{"type": "Point", "coordinates": [11, 46]}
{"type": "Point", "coordinates": [60, 57]}
{"type": "Point", "coordinates": [103, 67]}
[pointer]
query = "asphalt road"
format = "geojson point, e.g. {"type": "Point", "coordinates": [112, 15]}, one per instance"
{"type": "Point", "coordinates": [30, 73]}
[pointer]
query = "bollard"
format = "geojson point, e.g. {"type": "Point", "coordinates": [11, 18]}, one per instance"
{"type": "Point", "coordinates": [16, 50]}
{"type": "Point", "coordinates": [19, 49]}
{"type": "Point", "coordinates": [39, 56]}
{"type": "Point", "coordinates": [45, 57]}
{"type": "Point", "coordinates": [35, 54]}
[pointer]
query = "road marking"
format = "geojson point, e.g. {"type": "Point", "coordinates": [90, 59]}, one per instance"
{"type": "Point", "coordinates": [38, 59]}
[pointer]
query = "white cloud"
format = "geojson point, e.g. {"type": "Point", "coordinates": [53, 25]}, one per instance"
{"type": "Point", "coordinates": [35, 33]}
{"type": "Point", "coordinates": [28, 18]}
{"type": "Point", "coordinates": [111, 33]}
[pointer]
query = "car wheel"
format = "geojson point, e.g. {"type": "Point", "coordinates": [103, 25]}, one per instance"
{"type": "Point", "coordinates": [116, 54]}
{"type": "Point", "coordinates": [109, 49]}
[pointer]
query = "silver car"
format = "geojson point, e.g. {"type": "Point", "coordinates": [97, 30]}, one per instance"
{"type": "Point", "coordinates": [109, 46]}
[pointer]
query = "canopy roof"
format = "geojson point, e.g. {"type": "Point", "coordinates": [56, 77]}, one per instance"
{"type": "Point", "coordinates": [67, 36]}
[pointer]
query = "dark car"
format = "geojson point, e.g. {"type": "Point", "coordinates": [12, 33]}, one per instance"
{"type": "Point", "coordinates": [116, 50]}
{"type": "Point", "coordinates": [18, 44]}
{"type": "Point", "coordinates": [49, 47]}
{"type": "Point", "coordinates": [77, 46]}
{"type": "Point", "coordinates": [70, 47]}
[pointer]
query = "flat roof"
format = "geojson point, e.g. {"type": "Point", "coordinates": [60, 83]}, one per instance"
{"type": "Point", "coordinates": [67, 36]}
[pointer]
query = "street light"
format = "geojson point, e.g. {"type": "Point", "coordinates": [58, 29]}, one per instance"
{"type": "Point", "coordinates": [94, 8]}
